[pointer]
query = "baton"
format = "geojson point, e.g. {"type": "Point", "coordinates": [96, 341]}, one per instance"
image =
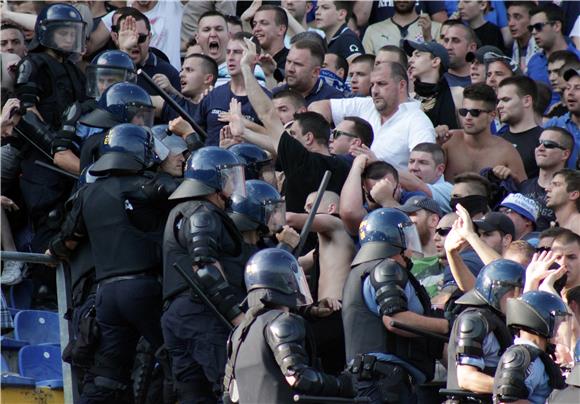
{"type": "Point", "coordinates": [303, 398]}
{"type": "Point", "coordinates": [55, 169]}
{"type": "Point", "coordinates": [313, 210]}
{"type": "Point", "coordinates": [31, 142]}
{"type": "Point", "coordinates": [28, 257]}
{"type": "Point", "coordinates": [174, 105]}
{"type": "Point", "coordinates": [419, 331]}
{"type": "Point", "coordinates": [201, 294]}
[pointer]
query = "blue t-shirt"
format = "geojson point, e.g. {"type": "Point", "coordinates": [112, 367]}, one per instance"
{"type": "Point", "coordinates": [566, 122]}
{"type": "Point", "coordinates": [385, 9]}
{"type": "Point", "coordinates": [497, 16]}
{"type": "Point", "coordinates": [457, 81]}
{"type": "Point", "coordinates": [168, 113]}
{"type": "Point", "coordinates": [155, 65]}
{"type": "Point", "coordinates": [471, 260]}
{"type": "Point", "coordinates": [216, 102]}
{"type": "Point", "coordinates": [321, 91]}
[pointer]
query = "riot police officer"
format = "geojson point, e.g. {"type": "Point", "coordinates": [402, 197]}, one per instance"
{"type": "Point", "coordinates": [268, 355]}
{"type": "Point", "coordinates": [381, 288]}
{"type": "Point", "coordinates": [108, 68]}
{"type": "Point", "coordinates": [480, 334]}
{"type": "Point", "coordinates": [526, 371]}
{"type": "Point", "coordinates": [124, 225]}
{"type": "Point", "coordinates": [204, 241]}
{"type": "Point", "coordinates": [47, 83]}
{"type": "Point", "coordinates": [120, 103]}
{"type": "Point", "coordinates": [257, 161]}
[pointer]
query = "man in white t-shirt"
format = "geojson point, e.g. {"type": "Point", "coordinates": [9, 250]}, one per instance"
{"type": "Point", "coordinates": [398, 126]}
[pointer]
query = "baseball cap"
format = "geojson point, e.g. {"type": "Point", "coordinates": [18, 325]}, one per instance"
{"type": "Point", "coordinates": [432, 47]}
{"type": "Point", "coordinates": [480, 52]}
{"type": "Point", "coordinates": [419, 202]}
{"type": "Point", "coordinates": [568, 74]}
{"type": "Point", "coordinates": [496, 221]}
{"type": "Point", "coordinates": [522, 205]}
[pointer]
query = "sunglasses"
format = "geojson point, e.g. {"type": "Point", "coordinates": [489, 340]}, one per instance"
{"type": "Point", "coordinates": [140, 38]}
{"type": "Point", "coordinates": [474, 112]}
{"type": "Point", "coordinates": [542, 249]}
{"type": "Point", "coordinates": [338, 133]}
{"type": "Point", "coordinates": [443, 231]}
{"type": "Point", "coordinates": [539, 26]}
{"type": "Point", "coordinates": [549, 144]}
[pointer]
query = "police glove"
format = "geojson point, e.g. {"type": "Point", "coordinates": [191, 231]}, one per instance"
{"type": "Point", "coordinates": [347, 385]}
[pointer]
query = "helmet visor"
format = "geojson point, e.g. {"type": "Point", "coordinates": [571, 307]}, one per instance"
{"type": "Point", "coordinates": [275, 215]}
{"type": "Point", "coordinates": [561, 326]}
{"type": "Point", "coordinates": [304, 297]}
{"type": "Point", "coordinates": [99, 78]}
{"type": "Point", "coordinates": [233, 180]}
{"type": "Point", "coordinates": [65, 36]}
{"type": "Point", "coordinates": [412, 239]}
{"type": "Point", "coordinates": [142, 115]}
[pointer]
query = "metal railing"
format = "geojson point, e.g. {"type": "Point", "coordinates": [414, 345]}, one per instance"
{"type": "Point", "coordinates": [63, 290]}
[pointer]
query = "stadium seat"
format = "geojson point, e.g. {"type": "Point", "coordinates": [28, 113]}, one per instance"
{"type": "Point", "coordinates": [13, 379]}
{"type": "Point", "coordinates": [41, 363]}
{"type": "Point", "coordinates": [11, 343]}
{"type": "Point", "coordinates": [37, 327]}
{"type": "Point", "coordinates": [21, 295]}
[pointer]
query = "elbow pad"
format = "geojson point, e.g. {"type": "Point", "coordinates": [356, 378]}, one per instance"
{"type": "Point", "coordinates": [219, 292]}
{"type": "Point", "coordinates": [389, 280]}
{"type": "Point", "coordinates": [37, 131]}
{"type": "Point", "coordinates": [509, 383]}
{"type": "Point", "coordinates": [203, 246]}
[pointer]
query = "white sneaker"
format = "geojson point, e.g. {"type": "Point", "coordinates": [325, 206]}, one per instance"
{"type": "Point", "coordinates": [12, 272]}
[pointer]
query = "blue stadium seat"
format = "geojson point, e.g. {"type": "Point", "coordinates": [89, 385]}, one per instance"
{"type": "Point", "coordinates": [13, 379]}
{"type": "Point", "coordinates": [21, 295]}
{"type": "Point", "coordinates": [11, 343]}
{"type": "Point", "coordinates": [43, 364]}
{"type": "Point", "coordinates": [37, 327]}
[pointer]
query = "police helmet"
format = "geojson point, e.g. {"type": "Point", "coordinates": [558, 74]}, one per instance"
{"type": "Point", "coordinates": [122, 103]}
{"type": "Point", "coordinates": [253, 157]}
{"type": "Point", "coordinates": [212, 169]}
{"type": "Point", "coordinates": [108, 68]}
{"type": "Point", "coordinates": [386, 232]}
{"type": "Point", "coordinates": [261, 209]}
{"type": "Point", "coordinates": [59, 27]}
{"type": "Point", "coordinates": [493, 281]}
{"type": "Point", "coordinates": [126, 147]}
{"type": "Point", "coordinates": [274, 276]}
{"type": "Point", "coordinates": [537, 312]}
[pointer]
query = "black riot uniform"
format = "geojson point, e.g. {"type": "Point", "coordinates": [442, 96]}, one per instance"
{"type": "Point", "coordinates": [480, 334]}
{"type": "Point", "coordinates": [204, 241]}
{"type": "Point", "coordinates": [124, 225]}
{"type": "Point", "coordinates": [271, 344]}
{"type": "Point", "coordinates": [525, 371]}
{"type": "Point", "coordinates": [50, 82]}
{"type": "Point", "coordinates": [387, 365]}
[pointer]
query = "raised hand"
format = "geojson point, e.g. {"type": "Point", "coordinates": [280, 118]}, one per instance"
{"type": "Point", "coordinates": [128, 36]}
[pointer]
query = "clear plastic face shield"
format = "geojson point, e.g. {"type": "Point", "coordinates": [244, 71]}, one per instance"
{"type": "Point", "coordinates": [490, 57]}
{"type": "Point", "coordinates": [304, 297]}
{"type": "Point", "coordinates": [233, 180]}
{"type": "Point", "coordinates": [267, 174]}
{"type": "Point", "coordinates": [65, 36]}
{"type": "Point", "coordinates": [160, 149]}
{"type": "Point", "coordinates": [500, 292]}
{"type": "Point", "coordinates": [275, 215]}
{"type": "Point", "coordinates": [562, 326]}
{"type": "Point", "coordinates": [412, 239]}
{"type": "Point", "coordinates": [142, 115]}
{"type": "Point", "coordinates": [99, 78]}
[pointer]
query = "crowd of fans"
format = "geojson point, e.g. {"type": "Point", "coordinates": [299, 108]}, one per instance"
{"type": "Point", "coordinates": [463, 115]}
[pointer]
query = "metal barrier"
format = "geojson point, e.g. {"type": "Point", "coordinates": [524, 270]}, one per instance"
{"type": "Point", "coordinates": [63, 290]}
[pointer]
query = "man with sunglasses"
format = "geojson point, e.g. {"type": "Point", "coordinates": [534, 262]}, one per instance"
{"type": "Point", "coordinates": [353, 133]}
{"type": "Point", "coordinates": [476, 148]}
{"type": "Point", "coordinates": [546, 26]}
{"type": "Point", "coordinates": [132, 35]}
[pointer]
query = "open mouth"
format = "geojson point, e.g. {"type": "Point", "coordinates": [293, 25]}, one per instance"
{"type": "Point", "coordinates": [214, 46]}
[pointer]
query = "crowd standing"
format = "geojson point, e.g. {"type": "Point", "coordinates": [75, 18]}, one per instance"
{"type": "Point", "coordinates": [440, 264]}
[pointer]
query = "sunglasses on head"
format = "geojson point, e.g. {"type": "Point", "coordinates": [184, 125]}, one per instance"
{"type": "Point", "coordinates": [539, 26]}
{"type": "Point", "coordinates": [549, 144]}
{"type": "Point", "coordinates": [474, 112]}
{"type": "Point", "coordinates": [443, 231]}
{"type": "Point", "coordinates": [338, 133]}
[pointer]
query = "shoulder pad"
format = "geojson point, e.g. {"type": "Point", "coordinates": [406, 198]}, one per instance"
{"type": "Point", "coordinates": [203, 221]}
{"type": "Point", "coordinates": [471, 328]}
{"type": "Point", "coordinates": [389, 279]}
{"type": "Point", "coordinates": [26, 71]}
{"type": "Point", "coordinates": [287, 328]}
{"type": "Point", "coordinates": [510, 377]}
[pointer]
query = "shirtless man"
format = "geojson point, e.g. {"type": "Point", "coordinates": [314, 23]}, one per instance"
{"type": "Point", "coordinates": [336, 248]}
{"type": "Point", "coordinates": [563, 196]}
{"type": "Point", "coordinates": [476, 148]}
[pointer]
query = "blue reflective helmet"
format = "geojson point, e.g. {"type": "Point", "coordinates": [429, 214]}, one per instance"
{"type": "Point", "coordinates": [126, 147]}
{"type": "Point", "coordinates": [108, 68]}
{"type": "Point", "coordinates": [274, 276]}
{"type": "Point", "coordinates": [537, 312]}
{"type": "Point", "coordinates": [209, 170]}
{"type": "Point", "coordinates": [59, 27]}
{"type": "Point", "coordinates": [493, 281]}
{"type": "Point", "coordinates": [253, 157]}
{"type": "Point", "coordinates": [261, 209]}
{"type": "Point", "coordinates": [386, 232]}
